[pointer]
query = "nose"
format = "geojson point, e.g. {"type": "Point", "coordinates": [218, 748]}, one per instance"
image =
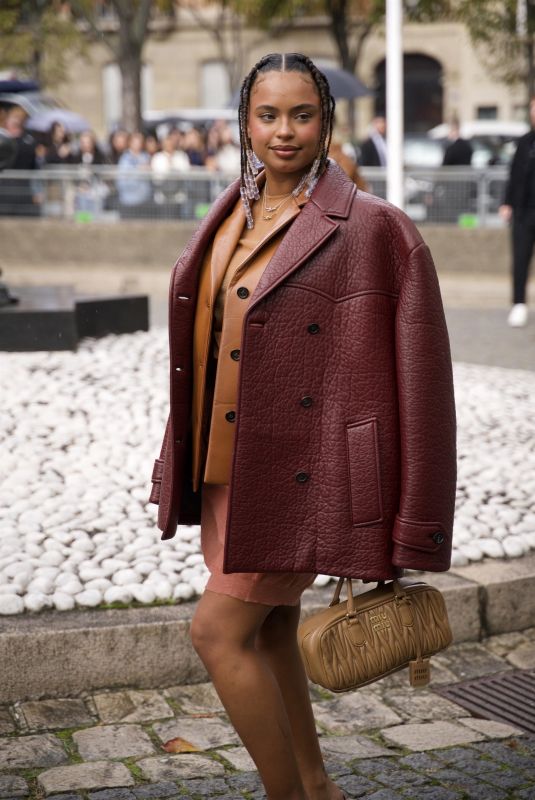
{"type": "Point", "coordinates": [285, 130]}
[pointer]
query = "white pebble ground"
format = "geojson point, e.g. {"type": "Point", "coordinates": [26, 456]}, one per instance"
{"type": "Point", "coordinates": [79, 433]}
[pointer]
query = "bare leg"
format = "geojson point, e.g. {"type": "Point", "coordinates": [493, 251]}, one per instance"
{"type": "Point", "coordinates": [277, 643]}
{"type": "Point", "coordinates": [223, 632]}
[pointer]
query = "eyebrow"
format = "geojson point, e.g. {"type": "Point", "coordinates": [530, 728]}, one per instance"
{"type": "Point", "coordinates": [300, 107]}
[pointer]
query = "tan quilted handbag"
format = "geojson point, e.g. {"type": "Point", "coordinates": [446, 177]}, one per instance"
{"type": "Point", "coordinates": [378, 632]}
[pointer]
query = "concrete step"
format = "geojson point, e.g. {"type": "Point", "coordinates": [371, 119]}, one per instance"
{"type": "Point", "coordinates": [57, 653]}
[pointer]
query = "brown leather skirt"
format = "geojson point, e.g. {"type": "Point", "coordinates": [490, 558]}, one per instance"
{"type": "Point", "coordinates": [268, 588]}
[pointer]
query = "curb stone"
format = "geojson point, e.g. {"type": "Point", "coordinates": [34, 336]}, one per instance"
{"type": "Point", "coordinates": [58, 653]}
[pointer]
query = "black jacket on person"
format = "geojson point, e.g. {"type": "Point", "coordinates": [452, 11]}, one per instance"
{"type": "Point", "coordinates": [25, 154]}
{"type": "Point", "coordinates": [458, 153]}
{"type": "Point", "coordinates": [521, 173]}
{"type": "Point", "coordinates": [369, 157]}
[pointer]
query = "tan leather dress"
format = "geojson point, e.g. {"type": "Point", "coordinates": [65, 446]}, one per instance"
{"type": "Point", "coordinates": [229, 275]}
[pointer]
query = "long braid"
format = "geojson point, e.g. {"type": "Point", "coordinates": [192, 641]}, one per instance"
{"type": "Point", "coordinates": [250, 163]}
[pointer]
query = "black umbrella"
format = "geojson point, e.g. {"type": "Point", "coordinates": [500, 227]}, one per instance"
{"type": "Point", "coordinates": [343, 85]}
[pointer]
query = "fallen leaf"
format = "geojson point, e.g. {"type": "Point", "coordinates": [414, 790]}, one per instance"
{"type": "Point", "coordinates": [179, 745]}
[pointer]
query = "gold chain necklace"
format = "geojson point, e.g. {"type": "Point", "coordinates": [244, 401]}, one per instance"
{"type": "Point", "coordinates": [268, 212]}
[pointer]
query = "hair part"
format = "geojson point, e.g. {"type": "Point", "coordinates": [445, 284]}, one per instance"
{"type": "Point", "coordinates": [250, 163]}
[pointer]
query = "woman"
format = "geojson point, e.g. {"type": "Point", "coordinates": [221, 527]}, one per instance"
{"type": "Point", "coordinates": [322, 437]}
{"type": "Point", "coordinates": [59, 148]}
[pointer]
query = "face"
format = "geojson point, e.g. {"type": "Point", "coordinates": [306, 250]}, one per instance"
{"type": "Point", "coordinates": [15, 124]}
{"type": "Point", "coordinates": [120, 141]}
{"type": "Point", "coordinates": [284, 122]}
{"type": "Point", "coordinates": [380, 125]}
{"type": "Point", "coordinates": [137, 140]}
{"type": "Point", "coordinates": [87, 144]}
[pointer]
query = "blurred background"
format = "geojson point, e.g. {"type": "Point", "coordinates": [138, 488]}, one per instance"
{"type": "Point", "coordinates": [114, 112]}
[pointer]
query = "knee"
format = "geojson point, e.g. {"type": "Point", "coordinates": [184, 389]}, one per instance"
{"type": "Point", "coordinates": [214, 642]}
{"type": "Point", "coordinates": [204, 636]}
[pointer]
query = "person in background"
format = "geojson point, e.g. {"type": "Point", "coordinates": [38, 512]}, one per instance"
{"type": "Point", "coordinates": [169, 160]}
{"type": "Point", "coordinates": [88, 150]}
{"type": "Point", "coordinates": [348, 164]}
{"type": "Point", "coordinates": [118, 144]}
{"type": "Point", "coordinates": [227, 156]}
{"type": "Point", "coordinates": [459, 151]}
{"type": "Point", "coordinates": [59, 147]}
{"type": "Point", "coordinates": [195, 147]}
{"type": "Point", "coordinates": [20, 196]}
{"type": "Point", "coordinates": [152, 145]}
{"type": "Point", "coordinates": [519, 209]}
{"type": "Point", "coordinates": [373, 150]}
{"type": "Point", "coordinates": [134, 192]}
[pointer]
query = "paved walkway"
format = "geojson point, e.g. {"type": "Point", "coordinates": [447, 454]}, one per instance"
{"type": "Point", "coordinates": [384, 742]}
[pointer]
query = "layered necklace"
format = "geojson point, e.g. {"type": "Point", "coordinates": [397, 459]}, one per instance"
{"type": "Point", "coordinates": [269, 211]}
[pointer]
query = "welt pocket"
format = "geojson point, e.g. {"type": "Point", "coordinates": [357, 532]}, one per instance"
{"type": "Point", "coordinates": [362, 440]}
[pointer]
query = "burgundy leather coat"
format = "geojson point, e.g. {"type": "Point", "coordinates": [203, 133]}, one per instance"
{"type": "Point", "coordinates": [344, 459]}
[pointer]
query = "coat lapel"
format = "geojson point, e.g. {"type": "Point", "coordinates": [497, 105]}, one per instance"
{"type": "Point", "coordinates": [225, 243]}
{"type": "Point", "coordinates": [308, 233]}
{"type": "Point", "coordinates": [314, 226]}
{"type": "Point", "coordinates": [186, 269]}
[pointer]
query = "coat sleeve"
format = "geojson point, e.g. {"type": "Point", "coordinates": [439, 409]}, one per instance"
{"type": "Point", "coordinates": [422, 535]}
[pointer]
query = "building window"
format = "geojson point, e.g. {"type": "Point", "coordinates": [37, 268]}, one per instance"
{"type": "Point", "coordinates": [215, 86]}
{"type": "Point", "coordinates": [111, 85]}
{"type": "Point", "coordinates": [487, 112]}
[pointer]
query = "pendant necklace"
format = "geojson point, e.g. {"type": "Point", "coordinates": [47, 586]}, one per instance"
{"type": "Point", "coordinates": [268, 212]}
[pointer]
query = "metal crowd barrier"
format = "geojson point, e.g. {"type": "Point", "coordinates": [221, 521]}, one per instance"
{"type": "Point", "coordinates": [451, 195]}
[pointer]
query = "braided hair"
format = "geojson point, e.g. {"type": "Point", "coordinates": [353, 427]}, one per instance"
{"type": "Point", "coordinates": [250, 163]}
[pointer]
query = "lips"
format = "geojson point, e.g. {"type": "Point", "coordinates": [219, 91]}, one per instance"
{"type": "Point", "coordinates": [285, 149]}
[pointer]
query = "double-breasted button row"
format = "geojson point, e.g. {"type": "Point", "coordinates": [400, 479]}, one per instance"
{"type": "Point", "coordinates": [235, 355]}
{"type": "Point", "coordinates": [243, 292]}
{"type": "Point", "coordinates": [302, 477]}
{"type": "Point", "coordinates": [313, 327]}
{"type": "Point", "coordinates": [230, 416]}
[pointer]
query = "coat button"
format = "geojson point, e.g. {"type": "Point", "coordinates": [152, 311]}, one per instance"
{"type": "Point", "coordinates": [243, 292]}
{"type": "Point", "coordinates": [235, 355]}
{"type": "Point", "coordinates": [313, 327]}
{"type": "Point", "coordinates": [306, 401]}
{"type": "Point", "coordinates": [230, 416]}
{"type": "Point", "coordinates": [302, 477]}
{"type": "Point", "coordinates": [438, 537]}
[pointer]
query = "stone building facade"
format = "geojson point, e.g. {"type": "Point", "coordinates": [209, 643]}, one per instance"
{"type": "Point", "coordinates": [445, 74]}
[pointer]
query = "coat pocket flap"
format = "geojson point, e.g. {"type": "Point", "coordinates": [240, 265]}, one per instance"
{"type": "Point", "coordinates": [424, 536]}
{"type": "Point", "coordinates": [364, 471]}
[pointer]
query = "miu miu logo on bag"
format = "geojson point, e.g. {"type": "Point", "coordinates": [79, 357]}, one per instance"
{"type": "Point", "coordinates": [380, 621]}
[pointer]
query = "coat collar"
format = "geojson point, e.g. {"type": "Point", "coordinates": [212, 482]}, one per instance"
{"type": "Point", "coordinates": [317, 222]}
{"type": "Point", "coordinates": [330, 201]}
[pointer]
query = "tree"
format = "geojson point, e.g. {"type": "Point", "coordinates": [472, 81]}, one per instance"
{"type": "Point", "coordinates": [126, 41]}
{"type": "Point", "coordinates": [507, 52]}
{"type": "Point", "coordinates": [224, 22]}
{"type": "Point", "coordinates": [39, 38]}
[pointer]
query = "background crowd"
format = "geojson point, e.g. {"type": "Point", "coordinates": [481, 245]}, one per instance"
{"type": "Point", "coordinates": [145, 163]}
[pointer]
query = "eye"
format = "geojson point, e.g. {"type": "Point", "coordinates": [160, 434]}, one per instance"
{"type": "Point", "coordinates": [304, 116]}
{"type": "Point", "coordinates": [267, 115]}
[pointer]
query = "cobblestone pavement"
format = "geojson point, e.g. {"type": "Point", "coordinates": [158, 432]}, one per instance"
{"type": "Point", "coordinates": [384, 742]}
